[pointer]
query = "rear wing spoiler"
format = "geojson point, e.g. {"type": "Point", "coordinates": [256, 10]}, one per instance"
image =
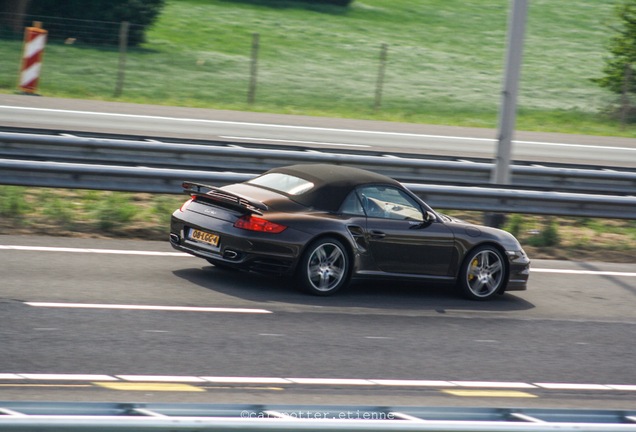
{"type": "Point", "coordinates": [220, 196]}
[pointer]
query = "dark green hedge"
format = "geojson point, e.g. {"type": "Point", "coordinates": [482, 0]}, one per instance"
{"type": "Point", "coordinates": [297, 3]}
{"type": "Point", "coordinates": [95, 21]}
{"type": "Point", "coordinates": [335, 2]}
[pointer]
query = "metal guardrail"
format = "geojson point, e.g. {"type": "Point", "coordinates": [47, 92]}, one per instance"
{"type": "Point", "coordinates": [156, 180]}
{"type": "Point", "coordinates": [62, 416]}
{"type": "Point", "coordinates": [411, 169]}
{"type": "Point", "coordinates": [140, 166]}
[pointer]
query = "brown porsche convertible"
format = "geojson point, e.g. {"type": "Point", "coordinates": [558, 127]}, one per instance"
{"type": "Point", "coordinates": [325, 225]}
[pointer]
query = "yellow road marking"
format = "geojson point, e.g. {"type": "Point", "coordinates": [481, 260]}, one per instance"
{"type": "Point", "coordinates": [127, 386]}
{"type": "Point", "coordinates": [490, 393]}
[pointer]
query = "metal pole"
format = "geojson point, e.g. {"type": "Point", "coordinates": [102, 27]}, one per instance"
{"type": "Point", "coordinates": [508, 110]}
{"type": "Point", "coordinates": [507, 115]}
{"type": "Point", "coordinates": [251, 95]}
{"type": "Point", "coordinates": [123, 44]}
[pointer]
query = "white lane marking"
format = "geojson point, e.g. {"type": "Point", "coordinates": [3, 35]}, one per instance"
{"type": "Point", "coordinates": [568, 386]}
{"type": "Point", "coordinates": [159, 378]}
{"type": "Point", "coordinates": [314, 381]}
{"type": "Point", "coordinates": [229, 122]}
{"type": "Point", "coordinates": [584, 272]}
{"type": "Point", "coordinates": [95, 251]}
{"type": "Point", "coordinates": [247, 380]}
{"type": "Point", "coordinates": [281, 126]}
{"type": "Point", "coordinates": [575, 145]}
{"type": "Point", "coordinates": [331, 381]}
{"type": "Point", "coordinates": [148, 307]}
{"type": "Point", "coordinates": [184, 255]}
{"type": "Point", "coordinates": [489, 384]}
{"type": "Point", "coordinates": [295, 141]}
{"type": "Point", "coordinates": [69, 377]}
{"type": "Point", "coordinates": [412, 383]}
{"type": "Point", "coordinates": [9, 376]}
{"type": "Point", "coordinates": [622, 387]}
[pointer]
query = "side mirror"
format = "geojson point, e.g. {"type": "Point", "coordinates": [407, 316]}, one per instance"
{"type": "Point", "coordinates": [429, 218]}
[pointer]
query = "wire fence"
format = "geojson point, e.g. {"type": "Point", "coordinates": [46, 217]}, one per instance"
{"type": "Point", "coordinates": [68, 30]}
{"type": "Point", "coordinates": [273, 70]}
{"type": "Point", "coordinates": [99, 66]}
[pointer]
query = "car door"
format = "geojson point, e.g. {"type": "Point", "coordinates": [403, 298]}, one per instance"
{"type": "Point", "coordinates": [400, 237]}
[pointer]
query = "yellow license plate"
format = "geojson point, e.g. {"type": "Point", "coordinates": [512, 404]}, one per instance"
{"type": "Point", "coordinates": [204, 237]}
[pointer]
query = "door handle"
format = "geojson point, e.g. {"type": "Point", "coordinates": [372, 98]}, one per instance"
{"type": "Point", "coordinates": [377, 234]}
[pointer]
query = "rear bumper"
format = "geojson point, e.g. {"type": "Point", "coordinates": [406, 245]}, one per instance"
{"type": "Point", "coordinates": [237, 248]}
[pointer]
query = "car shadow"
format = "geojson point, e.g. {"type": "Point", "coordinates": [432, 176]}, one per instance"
{"type": "Point", "coordinates": [362, 294]}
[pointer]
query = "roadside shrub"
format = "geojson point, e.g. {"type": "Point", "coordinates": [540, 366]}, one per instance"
{"type": "Point", "coordinates": [163, 206]}
{"type": "Point", "coordinates": [547, 237]}
{"type": "Point", "coordinates": [57, 212]}
{"type": "Point", "coordinates": [515, 224]}
{"type": "Point", "coordinates": [12, 202]}
{"type": "Point", "coordinates": [114, 211]}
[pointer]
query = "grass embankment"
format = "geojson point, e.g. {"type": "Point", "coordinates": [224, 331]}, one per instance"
{"type": "Point", "coordinates": [445, 66]}
{"type": "Point", "coordinates": [445, 61]}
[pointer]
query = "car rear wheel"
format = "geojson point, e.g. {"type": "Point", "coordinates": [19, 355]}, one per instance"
{"type": "Point", "coordinates": [483, 273]}
{"type": "Point", "coordinates": [324, 268]}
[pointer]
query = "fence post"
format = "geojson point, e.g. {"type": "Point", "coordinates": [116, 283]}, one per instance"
{"type": "Point", "coordinates": [251, 95]}
{"type": "Point", "coordinates": [625, 105]}
{"type": "Point", "coordinates": [380, 81]}
{"type": "Point", "coordinates": [123, 45]}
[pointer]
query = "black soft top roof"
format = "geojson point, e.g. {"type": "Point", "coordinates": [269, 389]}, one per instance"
{"type": "Point", "coordinates": [332, 183]}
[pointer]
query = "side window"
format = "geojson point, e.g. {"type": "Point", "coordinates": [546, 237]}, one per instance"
{"type": "Point", "coordinates": [389, 203]}
{"type": "Point", "coordinates": [352, 205]}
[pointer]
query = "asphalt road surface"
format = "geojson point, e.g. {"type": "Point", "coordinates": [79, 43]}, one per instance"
{"type": "Point", "coordinates": [106, 320]}
{"type": "Point", "coordinates": [307, 132]}
{"type": "Point", "coordinates": [116, 320]}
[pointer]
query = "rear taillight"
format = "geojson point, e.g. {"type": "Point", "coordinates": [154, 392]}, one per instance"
{"type": "Point", "coordinates": [253, 223]}
{"type": "Point", "coordinates": [186, 204]}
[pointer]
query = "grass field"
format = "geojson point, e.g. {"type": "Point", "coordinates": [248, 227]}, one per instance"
{"type": "Point", "coordinates": [445, 61]}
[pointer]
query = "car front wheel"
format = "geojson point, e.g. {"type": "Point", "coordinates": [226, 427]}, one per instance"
{"type": "Point", "coordinates": [324, 267]}
{"type": "Point", "coordinates": [483, 273]}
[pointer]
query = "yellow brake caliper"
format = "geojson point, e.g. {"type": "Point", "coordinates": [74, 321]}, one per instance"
{"type": "Point", "coordinates": [473, 265]}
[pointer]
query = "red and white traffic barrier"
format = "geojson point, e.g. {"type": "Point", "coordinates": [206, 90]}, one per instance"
{"type": "Point", "coordinates": [34, 42]}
